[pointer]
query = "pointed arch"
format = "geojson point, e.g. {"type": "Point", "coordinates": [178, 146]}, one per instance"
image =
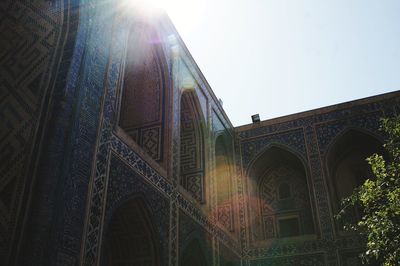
{"type": "Point", "coordinates": [222, 170]}
{"type": "Point", "coordinates": [283, 206]}
{"type": "Point", "coordinates": [192, 163]}
{"type": "Point", "coordinates": [223, 182]}
{"type": "Point", "coordinates": [347, 167]}
{"type": "Point", "coordinates": [145, 91]}
{"type": "Point", "coordinates": [268, 154]}
{"type": "Point", "coordinates": [131, 238]}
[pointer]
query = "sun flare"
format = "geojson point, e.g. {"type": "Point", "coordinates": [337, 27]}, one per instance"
{"type": "Point", "coordinates": [185, 14]}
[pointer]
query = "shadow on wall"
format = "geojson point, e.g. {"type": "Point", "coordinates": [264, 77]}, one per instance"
{"type": "Point", "coordinates": [145, 92]}
{"type": "Point", "coordinates": [348, 168]}
{"type": "Point", "coordinates": [279, 196]}
{"type": "Point", "coordinates": [131, 238]}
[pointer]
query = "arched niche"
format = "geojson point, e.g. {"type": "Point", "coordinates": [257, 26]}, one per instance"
{"type": "Point", "coordinates": [281, 205]}
{"type": "Point", "coordinates": [347, 165]}
{"type": "Point", "coordinates": [192, 165]}
{"type": "Point", "coordinates": [144, 95]}
{"type": "Point", "coordinates": [223, 182]}
{"type": "Point", "coordinates": [193, 255]}
{"type": "Point", "coordinates": [130, 237]}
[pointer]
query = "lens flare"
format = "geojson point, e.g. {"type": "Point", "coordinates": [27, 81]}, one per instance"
{"type": "Point", "coordinates": [185, 14]}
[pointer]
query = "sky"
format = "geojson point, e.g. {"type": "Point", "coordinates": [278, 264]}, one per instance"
{"type": "Point", "coordinates": [279, 57]}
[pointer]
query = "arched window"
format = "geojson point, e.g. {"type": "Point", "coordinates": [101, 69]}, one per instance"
{"type": "Point", "coordinates": [130, 237]}
{"type": "Point", "coordinates": [347, 166]}
{"type": "Point", "coordinates": [282, 211]}
{"type": "Point", "coordinates": [223, 184]}
{"type": "Point", "coordinates": [144, 92]}
{"type": "Point", "coordinates": [192, 166]}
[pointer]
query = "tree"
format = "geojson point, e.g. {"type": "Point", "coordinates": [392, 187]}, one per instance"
{"type": "Point", "coordinates": [379, 200]}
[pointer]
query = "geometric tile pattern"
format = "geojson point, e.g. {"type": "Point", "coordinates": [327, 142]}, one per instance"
{"type": "Point", "coordinates": [192, 154]}
{"type": "Point", "coordinates": [119, 173]}
{"type": "Point", "coordinates": [311, 136]}
{"type": "Point", "coordinates": [126, 184]}
{"type": "Point", "coordinates": [151, 139]}
{"type": "Point", "coordinates": [223, 185]}
{"type": "Point", "coordinates": [225, 216]}
{"type": "Point", "coordinates": [142, 103]}
{"type": "Point", "coordinates": [269, 226]}
{"type": "Point", "coordinates": [108, 143]}
{"type": "Point", "coordinates": [298, 203]}
{"type": "Point", "coordinates": [28, 41]}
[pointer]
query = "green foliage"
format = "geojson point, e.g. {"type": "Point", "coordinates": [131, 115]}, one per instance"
{"type": "Point", "coordinates": [379, 200]}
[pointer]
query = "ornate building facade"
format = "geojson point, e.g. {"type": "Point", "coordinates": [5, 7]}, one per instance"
{"type": "Point", "coordinates": [115, 151]}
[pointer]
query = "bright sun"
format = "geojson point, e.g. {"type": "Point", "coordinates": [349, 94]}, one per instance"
{"type": "Point", "coordinates": [184, 13]}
